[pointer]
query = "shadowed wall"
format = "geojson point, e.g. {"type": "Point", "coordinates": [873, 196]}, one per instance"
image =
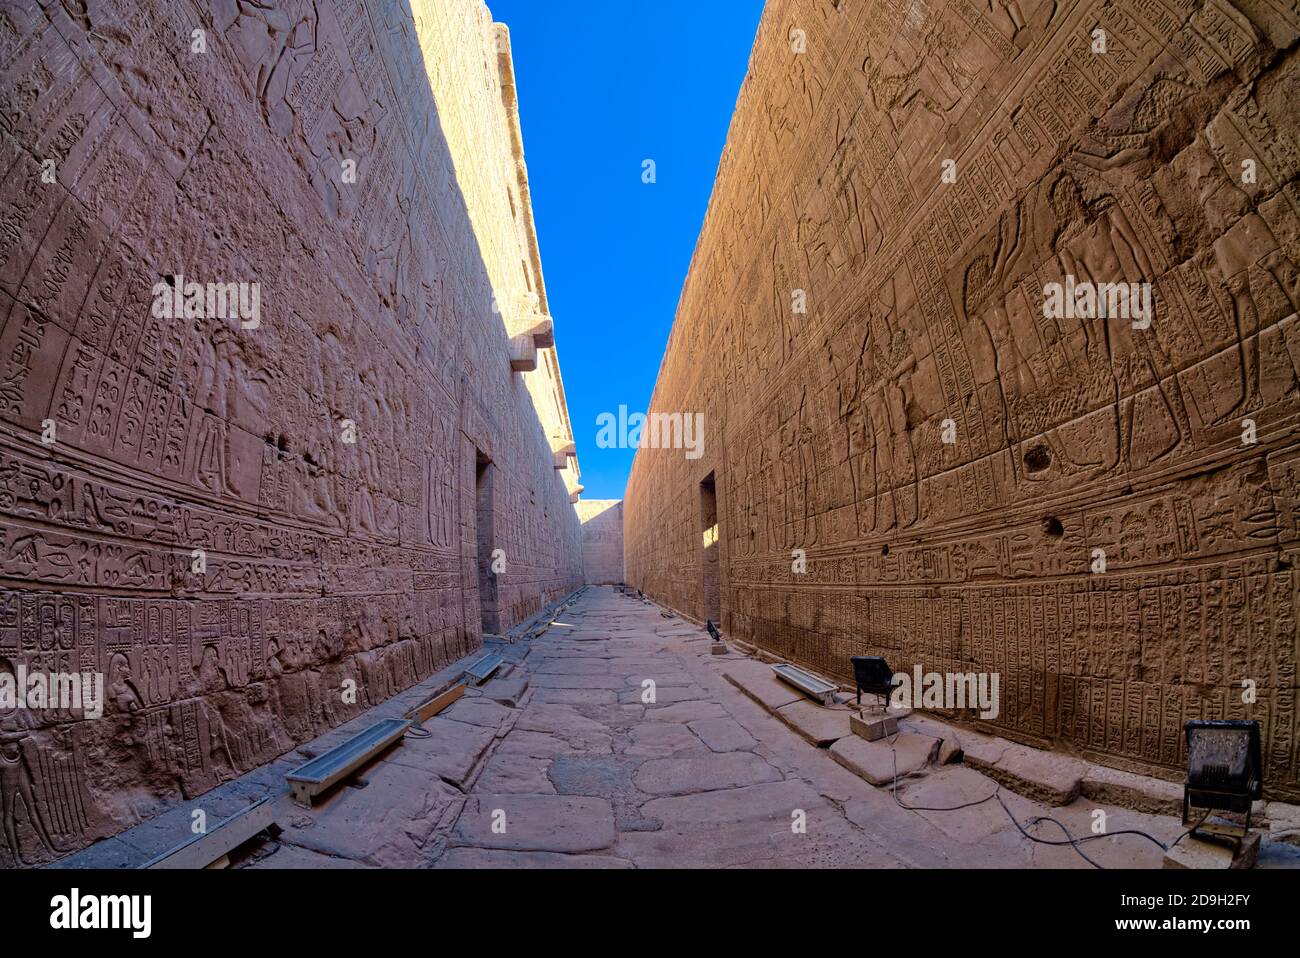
{"type": "Point", "coordinates": [406, 300]}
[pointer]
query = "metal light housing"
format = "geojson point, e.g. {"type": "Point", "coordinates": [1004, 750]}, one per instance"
{"type": "Point", "coordinates": [873, 676]}
{"type": "Point", "coordinates": [1224, 774]}
{"type": "Point", "coordinates": [714, 634]}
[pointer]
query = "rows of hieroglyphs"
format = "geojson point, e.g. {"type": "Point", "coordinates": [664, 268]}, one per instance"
{"type": "Point", "coordinates": [237, 518]}
{"type": "Point", "coordinates": [1103, 510]}
{"type": "Point", "coordinates": [602, 540]}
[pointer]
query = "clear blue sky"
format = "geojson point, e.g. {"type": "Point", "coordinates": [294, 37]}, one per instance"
{"type": "Point", "coordinates": [603, 87]}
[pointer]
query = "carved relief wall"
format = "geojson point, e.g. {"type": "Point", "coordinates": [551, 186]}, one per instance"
{"type": "Point", "coordinates": [231, 520]}
{"type": "Point", "coordinates": [952, 458]}
{"type": "Point", "coordinates": [602, 540]}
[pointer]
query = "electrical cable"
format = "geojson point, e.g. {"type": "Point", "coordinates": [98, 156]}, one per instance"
{"type": "Point", "coordinates": [1070, 839]}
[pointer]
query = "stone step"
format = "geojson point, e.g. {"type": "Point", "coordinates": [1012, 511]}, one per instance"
{"type": "Point", "coordinates": [1043, 776]}
{"type": "Point", "coordinates": [758, 682]}
{"type": "Point", "coordinates": [819, 725]}
{"type": "Point", "coordinates": [875, 761]}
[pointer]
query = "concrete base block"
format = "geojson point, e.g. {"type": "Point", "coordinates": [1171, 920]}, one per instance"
{"type": "Point", "coordinates": [873, 727]}
{"type": "Point", "coordinates": [718, 648]}
{"type": "Point", "coordinates": [1193, 852]}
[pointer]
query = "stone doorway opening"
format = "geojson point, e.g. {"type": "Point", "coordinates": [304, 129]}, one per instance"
{"type": "Point", "coordinates": [484, 530]}
{"type": "Point", "coordinates": [710, 545]}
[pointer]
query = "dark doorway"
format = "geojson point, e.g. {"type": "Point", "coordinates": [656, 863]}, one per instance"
{"type": "Point", "coordinates": [711, 545]}
{"type": "Point", "coordinates": [486, 538]}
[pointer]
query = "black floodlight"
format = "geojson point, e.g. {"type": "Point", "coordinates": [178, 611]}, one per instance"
{"type": "Point", "coordinates": [1224, 774]}
{"type": "Point", "coordinates": [714, 634]}
{"type": "Point", "coordinates": [873, 676]}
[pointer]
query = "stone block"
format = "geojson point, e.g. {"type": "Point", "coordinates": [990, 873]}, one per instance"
{"type": "Point", "coordinates": [875, 761]}
{"type": "Point", "coordinates": [1194, 853]}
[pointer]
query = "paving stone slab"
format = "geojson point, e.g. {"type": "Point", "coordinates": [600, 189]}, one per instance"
{"type": "Point", "coordinates": [532, 744]}
{"type": "Point", "coordinates": [450, 751]}
{"type": "Point", "coordinates": [457, 858]}
{"type": "Point", "coordinates": [1111, 786]}
{"type": "Point", "coordinates": [572, 665]}
{"type": "Point", "coordinates": [478, 711]}
{"type": "Point", "coordinates": [661, 740]}
{"type": "Point", "coordinates": [391, 822]}
{"type": "Point", "coordinates": [508, 692]}
{"type": "Point", "coordinates": [875, 761]}
{"type": "Point", "coordinates": [680, 776]}
{"type": "Point", "coordinates": [565, 722]}
{"type": "Point", "coordinates": [1034, 773]}
{"type": "Point", "coordinates": [757, 680]}
{"type": "Point", "coordinates": [819, 725]}
{"type": "Point", "coordinates": [552, 681]}
{"type": "Point", "coordinates": [602, 776]}
{"type": "Point", "coordinates": [722, 734]}
{"type": "Point", "coordinates": [665, 695]}
{"type": "Point", "coordinates": [515, 774]}
{"type": "Point", "coordinates": [552, 823]}
{"type": "Point", "coordinates": [294, 857]}
{"type": "Point", "coordinates": [950, 738]}
{"type": "Point", "coordinates": [683, 712]}
{"type": "Point", "coordinates": [748, 827]}
{"type": "Point", "coordinates": [576, 696]}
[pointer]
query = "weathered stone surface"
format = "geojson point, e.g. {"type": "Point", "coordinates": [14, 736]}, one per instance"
{"type": "Point", "coordinates": [576, 696]}
{"type": "Point", "coordinates": [292, 857]}
{"type": "Point", "coordinates": [722, 734]}
{"type": "Point", "coordinates": [1194, 853]}
{"type": "Point", "coordinates": [565, 722]}
{"type": "Point", "coordinates": [261, 491]}
{"type": "Point", "coordinates": [560, 823]}
{"type": "Point", "coordinates": [508, 692]}
{"type": "Point", "coordinates": [950, 739]}
{"type": "Point", "coordinates": [684, 712]}
{"type": "Point", "coordinates": [497, 858]}
{"type": "Point", "coordinates": [748, 826]}
{"type": "Point", "coordinates": [478, 711]}
{"type": "Point", "coordinates": [602, 540]}
{"type": "Point", "coordinates": [661, 740]}
{"type": "Point", "coordinates": [680, 776]}
{"type": "Point", "coordinates": [816, 723]}
{"type": "Point", "coordinates": [875, 761]}
{"type": "Point", "coordinates": [870, 333]}
{"type": "Point", "coordinates": [515, 774]}
{"type": "Point", "coordinates": [1045, 776]}
{"type": "Point", "coordinates": [450, 751]}
{"type": "Point", "coordinates": [1115, 787]}
{"type": "Point", "coordinates": [757, 681]}
{"type": "Point", "coordinates": [397, 831]}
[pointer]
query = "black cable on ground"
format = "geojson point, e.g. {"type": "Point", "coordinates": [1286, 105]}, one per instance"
{"type": "Point", "coordinates": [996, 793]}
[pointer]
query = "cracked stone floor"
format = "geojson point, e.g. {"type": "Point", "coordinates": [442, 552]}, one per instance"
{"type": "Point", "coordinates": [584, 774]}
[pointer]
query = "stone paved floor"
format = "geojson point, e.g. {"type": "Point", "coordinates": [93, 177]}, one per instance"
{"type": "Point", "coordinates": [586, 774]}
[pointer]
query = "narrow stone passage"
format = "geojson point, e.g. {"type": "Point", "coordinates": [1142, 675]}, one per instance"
{"type": "Point", "coordinates": [591, 771]}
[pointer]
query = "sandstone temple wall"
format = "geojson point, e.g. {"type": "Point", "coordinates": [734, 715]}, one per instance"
{"type": "Point", "coordinates": [1167, 157]}
{"type": "Point", "coordinates": [236, 519]}
{"type": "Point", "coordinates": [602, 540]}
